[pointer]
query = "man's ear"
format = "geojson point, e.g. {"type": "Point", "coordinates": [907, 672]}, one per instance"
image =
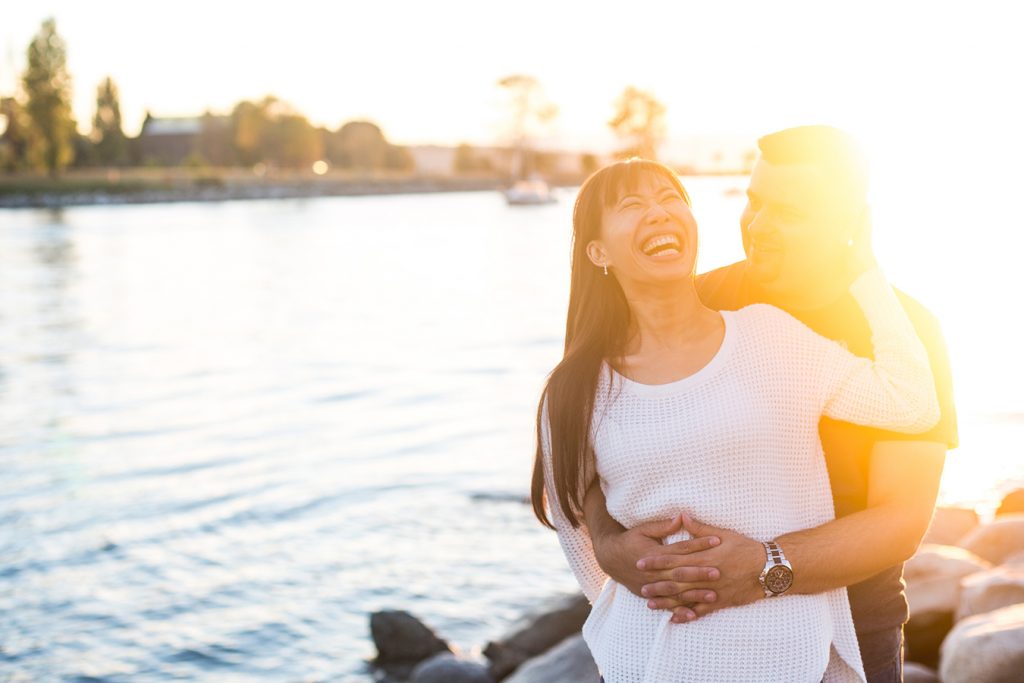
{"type": "Point", "coordinates": [596, 253]}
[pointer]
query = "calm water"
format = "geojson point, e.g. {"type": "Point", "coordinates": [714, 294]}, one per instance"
{"type": "Point", "coordinates": [230, 431]}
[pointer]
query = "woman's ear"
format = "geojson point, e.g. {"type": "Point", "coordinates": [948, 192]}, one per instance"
{"type": "Point", "coordinates": [596, 253]}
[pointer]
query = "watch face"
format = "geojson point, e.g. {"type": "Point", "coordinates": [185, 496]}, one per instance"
{"type": "Point", "coordinates": [779, 578]}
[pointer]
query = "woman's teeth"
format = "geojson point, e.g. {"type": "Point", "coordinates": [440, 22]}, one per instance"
{"type": "Point", "coordinates": [661, 244]}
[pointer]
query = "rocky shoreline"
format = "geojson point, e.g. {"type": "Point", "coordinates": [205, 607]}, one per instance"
{"type": "Point", "coordinates": [965, 586]}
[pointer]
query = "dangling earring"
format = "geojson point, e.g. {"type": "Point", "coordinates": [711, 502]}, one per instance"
{"type": "Point", "coordinates": [606, 269]}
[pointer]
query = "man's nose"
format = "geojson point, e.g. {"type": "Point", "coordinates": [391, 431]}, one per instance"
{"type": "Point", "coordinates": [759, 224]}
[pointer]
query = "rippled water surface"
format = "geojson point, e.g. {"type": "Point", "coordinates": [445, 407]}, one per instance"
{"type": "Point", "coordinates": [230, 431]}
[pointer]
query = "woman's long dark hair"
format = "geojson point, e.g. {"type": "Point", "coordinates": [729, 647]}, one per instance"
{"type": "Point", "coordinates": [596, 329]}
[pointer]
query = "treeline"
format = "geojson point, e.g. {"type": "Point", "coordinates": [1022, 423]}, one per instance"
{"type": "Point", "coordinates": [41, 133]}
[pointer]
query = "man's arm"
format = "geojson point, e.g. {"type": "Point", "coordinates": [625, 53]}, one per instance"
{"type": "Point", "coordinates": [617, 549]}
{"type": "Point", "coordinates": [903, 486]}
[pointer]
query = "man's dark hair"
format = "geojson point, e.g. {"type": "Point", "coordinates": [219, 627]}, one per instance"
{"type": "Point", "coordinates": [835, 151]}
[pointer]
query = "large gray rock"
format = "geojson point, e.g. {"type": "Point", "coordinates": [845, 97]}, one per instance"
{"type": "Point", "coordinates": [998, 540]}
{"type": "Point", "coordinates": [986, 648]}
{"type": "Point", "coordinates": [444, 667]}
{"type": "Point", "coordinates": [949, 525]}
{"type": "Point", "coordinates": [933, 591]}
{"type": "Point", "coordinates": [568, 662]}
{"type": "Point", "coordinates": [1015, 560]}
{"type": "Point", "coordinates": [402, 641]}
{"type": "Point", "coordinates": [933, 577]}
{"type": "Point", "coordinates": [536, 633]}
{"type": "Point", "coordinates": [990, 590]}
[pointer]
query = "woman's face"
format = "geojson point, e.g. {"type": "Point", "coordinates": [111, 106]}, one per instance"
{"type": "Point", "coordinates": [648, 234]}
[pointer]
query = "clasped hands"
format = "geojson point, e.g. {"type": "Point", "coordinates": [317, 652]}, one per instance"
{"type": "Point", "coordinates": [716, 568]}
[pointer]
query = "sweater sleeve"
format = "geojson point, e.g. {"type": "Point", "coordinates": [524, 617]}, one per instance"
{"type": "Point", "coordinates": [894, 391]}
{"type": "Point", "coordinates": [576, 542]}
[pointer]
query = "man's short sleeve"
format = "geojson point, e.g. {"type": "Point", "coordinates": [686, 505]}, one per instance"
{"type": "Point", "coordinates": [927, 326]}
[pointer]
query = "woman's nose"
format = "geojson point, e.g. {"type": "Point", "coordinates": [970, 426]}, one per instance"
{"type": "Point", "coordinates": [657, 213]}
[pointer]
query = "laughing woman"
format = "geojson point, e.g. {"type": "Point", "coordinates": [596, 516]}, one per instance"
{"type": "Point", "coordinates": [673, 405]}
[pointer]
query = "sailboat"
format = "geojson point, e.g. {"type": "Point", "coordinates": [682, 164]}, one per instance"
{"type": "Point", "coordinates": [527, 191]}
{"type": "Point", "coordinates": [531, 191]}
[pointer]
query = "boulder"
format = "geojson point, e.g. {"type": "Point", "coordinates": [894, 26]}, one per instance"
{"type": "Point", "coordinates": [949, 525]}
{"type": "Point", "coordinates": [989, 590]}
{"type": "Point", "coordinates": [933, 591]}
{"type": "Point", "coordinates": [1015, 560]}
{"type": "Point", "coordinates": [402, 641]}
{"type": "Point", "coordinates": [445, 667]}
{"type": "Point", "coordinates": [923, 636]}
{"type": "Point", "coordinates": [985, 648]}
{"type": "Point", "coordinates": [998, 540]}
{"type": "Point", "coordinates": [567, 662]}
{"type": "Point", "coordinates": [536, 633]}
{"type": "Point", "coordinates": [918, 673]}
{"type": "Point", "coordinates": [1012, 502]}
{"type": "Point", "coordinates": [933, 577]}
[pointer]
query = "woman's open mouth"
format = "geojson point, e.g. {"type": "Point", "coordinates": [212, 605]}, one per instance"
{"type": "Point", "coordinates": [662, 247]}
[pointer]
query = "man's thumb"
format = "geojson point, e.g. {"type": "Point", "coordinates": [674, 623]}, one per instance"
{"type": "Point", "coordinates": [661, 528]}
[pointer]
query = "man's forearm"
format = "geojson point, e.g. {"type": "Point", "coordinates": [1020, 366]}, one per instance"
{"type": "Point", "coordinates": [595, 514]}
{"type": "Point", "coordinates": [845, 551]}
{"type": "Point", "coordinates": [848, 550]}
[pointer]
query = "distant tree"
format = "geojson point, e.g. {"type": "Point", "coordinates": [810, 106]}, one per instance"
{"type": "Point", "coordinates": [47, 85]}
{"type": "Point", "coordinates": [399, 159]}
{"type": "Point", "coordinates": [640, 122]}
{"type": "Point", "coordinates": [84, 151]}
{"type": "Point", "coordinates": [292, 142]}
{"type": "Point", "coordinates": [250, 123]}
{"type": "Point", "coordinates": [588, 164]}
{"type": "Point", "coordinates": [529, 108]}
{"type": "Point", "coordinates": [14, 141]}
{"type": "Point", "coordinates": [107, 134]}
{"type": "Point", "coordinates": [359, 145]}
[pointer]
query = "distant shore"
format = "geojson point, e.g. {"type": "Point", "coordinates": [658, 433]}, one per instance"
{"type": "Point", "coordinates": [149, 186]}
{"type": "Point", "coordinates": [143, 186]}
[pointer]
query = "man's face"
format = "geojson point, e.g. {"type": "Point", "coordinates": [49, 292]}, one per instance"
{"type": "Point", "coordinates": [796, 227]}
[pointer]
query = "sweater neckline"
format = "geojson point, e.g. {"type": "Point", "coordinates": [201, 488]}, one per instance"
{"type": "Point", "coordinates": [700, 376]}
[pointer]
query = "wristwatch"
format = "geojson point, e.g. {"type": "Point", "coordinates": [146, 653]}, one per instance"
{"type": "Point", "coordinates": [777, 575]}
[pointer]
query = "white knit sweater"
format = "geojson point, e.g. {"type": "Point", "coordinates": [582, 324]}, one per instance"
{"type": "Point", "coordinates": [736, 445]}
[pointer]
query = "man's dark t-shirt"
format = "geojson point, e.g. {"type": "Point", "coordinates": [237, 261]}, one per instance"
{"type": "Point", "coordinates": [878, 604]}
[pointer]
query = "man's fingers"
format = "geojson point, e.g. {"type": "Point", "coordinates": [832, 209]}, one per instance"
{"type": "Point", "coordinates": [693, 545]}
{"type": "Point", "coordinates": [695, 527]}
{"type": "Point", "coordinates": [694, 574]}
{"type": "Point", "coordinates": [660, 528]}
{"type": "Point", "coordinates": [673, 589]}
{"type": "Point", "coordinates": [683, 614]}
{"type": "Point", "coordinates": [664, 603]}
{"type": "Point", "coordinates": [674, 555]}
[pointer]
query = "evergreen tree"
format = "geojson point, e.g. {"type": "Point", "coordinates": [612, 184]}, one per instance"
{"type": "Point", "coordinates": [107, 135]}
{"type": "Point", "coordinates": [47, 85]}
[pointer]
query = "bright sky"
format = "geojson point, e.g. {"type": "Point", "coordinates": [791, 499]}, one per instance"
{"type": "Point", "coordinates": [426, 72]}
{"type": "Point", "coordinates": [932, 89]}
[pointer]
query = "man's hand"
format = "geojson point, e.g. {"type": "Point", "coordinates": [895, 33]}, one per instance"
{"type": "Point", "coordinates": [618, 549]}
{"type": "Point", "coordinates": [738, 559]}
